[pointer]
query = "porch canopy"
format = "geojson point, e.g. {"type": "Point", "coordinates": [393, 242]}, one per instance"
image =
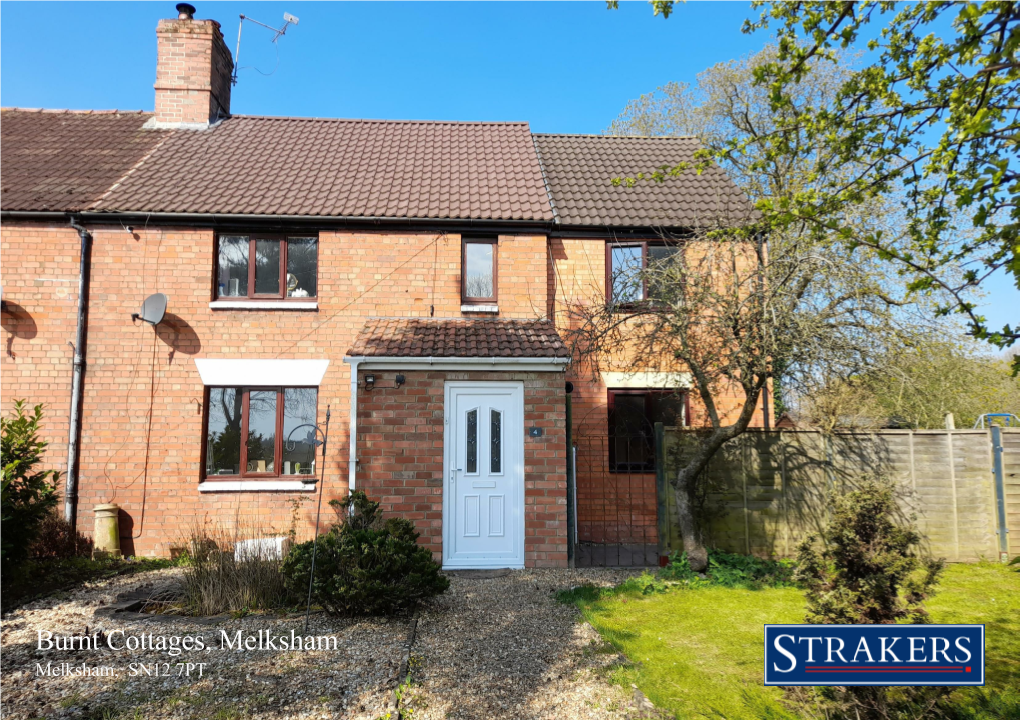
{"type": "Point", "coordinates": [454, 344]}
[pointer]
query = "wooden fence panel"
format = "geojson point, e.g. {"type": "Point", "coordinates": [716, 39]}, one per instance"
{"type": "Point", "coordinates": [1011, 481]}
{"type": "Point", "coordinates": [769, 489]}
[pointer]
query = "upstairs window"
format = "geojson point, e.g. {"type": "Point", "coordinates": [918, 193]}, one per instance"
{"type": "Point", "coordinates": [259, 432]}
{"type": "Point", "coordinates": [479, 272]}
{"type": "Point", "coordinates": [267, 267]}
{"type": "Point", "coordinates": [627, 281]}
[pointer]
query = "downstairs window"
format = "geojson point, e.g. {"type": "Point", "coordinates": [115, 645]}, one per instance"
{"type": "Point", "coordinates": [257, 432]}
{"type": "Point", "coordinates": [632, 418]}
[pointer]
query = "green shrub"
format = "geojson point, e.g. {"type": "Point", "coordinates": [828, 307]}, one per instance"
{"type": "Point", "coordinates": [867, 571]}
{"type": "Point", "coordinates": [730, 570]}
{"type": "Point", "coordinates": [28, 494]}
{"type": "Point", "coordinates": [364, 565]}
{"type": "Point", "coordinates": [56, 540]}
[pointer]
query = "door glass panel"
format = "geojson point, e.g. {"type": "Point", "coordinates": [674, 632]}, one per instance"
{"type": "Point", "coordinates": [479, 270]}
{"type": "Point", "coordinates": [495, 441]}
{"type": "Point", "coordinates": [626, 274]}
{"type": "Point", "coordinates": [233, 267]}
{"type": "Point", "coordinates": [302, 261]}
{"type": "Point", "coordinates": [223, 437]}
{"type": "Point", "coordinates": [262, 431]}
{"type": "Point", "coordinates": [298, 448]}
{"type": "Point", "coordinates": [267, 267]}
{"type": "Point", "coordinates": [472, 441]}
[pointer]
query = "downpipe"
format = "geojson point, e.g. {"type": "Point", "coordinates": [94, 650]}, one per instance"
{"type": "Point", "coordinates": [77, 378]}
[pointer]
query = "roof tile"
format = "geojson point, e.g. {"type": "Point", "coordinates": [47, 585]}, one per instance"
{"type": "Point", "coordinates": [418, 337]}
{"type": "Point", "coordinates": [580, 169]}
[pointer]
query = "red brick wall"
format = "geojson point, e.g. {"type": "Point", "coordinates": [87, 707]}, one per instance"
{"type": "Point", "coordinates": [193, 69]}
{"type": "Point", "coordinates": [611, 507]}
{"type": "Point", "coordinates": [40, 281]}
{"type": "Point", "coordinates": [400, 454]}
{"type": "Point", "coordinates": [142, 409]}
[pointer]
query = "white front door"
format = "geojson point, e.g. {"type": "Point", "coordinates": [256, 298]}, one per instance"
{"type": "Point", "coordinates": [483, 498]}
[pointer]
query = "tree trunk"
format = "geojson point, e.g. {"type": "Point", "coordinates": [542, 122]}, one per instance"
{"type": "Point", "coordinates": [697, 555]}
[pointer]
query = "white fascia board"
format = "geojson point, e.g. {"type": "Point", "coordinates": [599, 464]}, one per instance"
{"type": "Point", "coordinates": [460, 363]}
{"type": "Point", "coordinates": [640, 379]}
{"type": "Point", "coordinates": [231, 372]}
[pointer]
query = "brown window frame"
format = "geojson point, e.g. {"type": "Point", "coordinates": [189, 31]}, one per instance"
{"type": "Point", "coordinates": [464, 299]}
{"type": "Point", "coordinates": [648, 393]}
{"type": "Point", "coordinates": [243, 461]}
{"type": "Point", "coordinates": [644, 245]}
{"type": "Point", "coordinates": [284, 247]}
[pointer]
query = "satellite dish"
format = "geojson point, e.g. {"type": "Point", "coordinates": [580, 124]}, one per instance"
{"type": "Point", "coordinates": [153, 309]}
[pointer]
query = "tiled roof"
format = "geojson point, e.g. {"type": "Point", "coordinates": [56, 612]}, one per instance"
{"type": "Point", "coordinates": [60, 161]}
{"type": "Point", "coordinates": [458, 338]}
{"type": "Point", "coordinates": [341, 168]}
{"type": "Point", "coordinates": [106, 161]}
{"type": "Point", "coordinates": [580, 169]}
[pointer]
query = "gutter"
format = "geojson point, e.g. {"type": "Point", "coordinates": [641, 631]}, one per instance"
{"type": "Point", "coordinates": [77, 378]}
{"type": "Point", "coordinates": [233, 220]}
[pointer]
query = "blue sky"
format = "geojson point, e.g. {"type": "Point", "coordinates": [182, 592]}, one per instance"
{"type": "Point", "coordinates": [563, 67]}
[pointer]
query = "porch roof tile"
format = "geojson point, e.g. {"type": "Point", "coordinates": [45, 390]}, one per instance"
{"type": "Point", "coordinates": [423, 337]}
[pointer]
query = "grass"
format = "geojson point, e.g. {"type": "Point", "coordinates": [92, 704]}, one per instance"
{"type": "Point", "coordinates": [698, 653]}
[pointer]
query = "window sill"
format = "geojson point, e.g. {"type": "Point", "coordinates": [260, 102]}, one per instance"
{"type": "Point", "coordinates": [255, 486]}
{"type": "Point", "coordinates": [479, 308]}
{"type": "Point", "coordinates": [264, 305]}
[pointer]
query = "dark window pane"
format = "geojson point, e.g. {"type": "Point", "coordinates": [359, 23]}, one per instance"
{"type": "Point", "coordinates": [478, 270]}
{"type": "Point", "coordinates": [223, 437]}
{"type": "Point", "coordinates": [472, 441]}
{"type": "Point", "coordinates": [626, 274]}
{"type": "Point", "coordinates": [660, 258]}
{"type": "Point", "coordinates": [630, 447]}
{"type": "Point", "coordinates": [495, 441]}
{"type": "Point", "coordinates": [233, 267]}
{"type": "Point", "coordinates": [262, 431]}
{"type": "Point", "coordinates": [298, 448]}
{"type": "Point", "coordinates": [267, 267]}
{"type": "Point", "coordinates": [302, 264]}
{"type": "Point", "coordinates": [667, 408]}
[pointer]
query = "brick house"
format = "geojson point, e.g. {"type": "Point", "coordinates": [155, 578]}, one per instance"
{"type": "Point", "coordinates": [416, 271]}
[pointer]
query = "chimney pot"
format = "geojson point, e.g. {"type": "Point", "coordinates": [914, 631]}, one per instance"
{"type": "Point", "coordinates": [185, 11]}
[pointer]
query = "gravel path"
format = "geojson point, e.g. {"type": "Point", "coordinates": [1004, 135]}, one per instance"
{"type": "Point", "coordinates": [354, 681]}
{"type": "Point", "coordinates": [493, 648]}
{"type": "Point", "coordinates": [505, 648]}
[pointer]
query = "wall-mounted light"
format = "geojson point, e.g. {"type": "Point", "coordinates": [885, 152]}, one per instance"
{"type": "Point", "coordinates": [400, 380]}
{"type": "Point", "coordinates": [370, 381]}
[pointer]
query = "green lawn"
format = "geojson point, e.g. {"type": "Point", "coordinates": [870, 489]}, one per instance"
{"type": "Point", "coordinates": [699, 653]}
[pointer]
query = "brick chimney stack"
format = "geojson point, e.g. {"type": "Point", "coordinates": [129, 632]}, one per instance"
{"type": "Point", "coordinates": [192, 71]}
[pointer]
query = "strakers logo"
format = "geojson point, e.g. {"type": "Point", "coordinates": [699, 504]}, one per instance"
{"type": "Point", "coordinates": [874, 654]}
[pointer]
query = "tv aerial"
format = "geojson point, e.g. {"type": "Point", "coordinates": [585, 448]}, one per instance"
{"type": "Point", "coordinates": [288, 20]}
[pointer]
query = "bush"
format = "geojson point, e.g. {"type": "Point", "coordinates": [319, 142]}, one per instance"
{"type": "Point", "coordinates": [28, 494]}
{"type": "Point", "coordinates": [868, 572]}
{"type": "Point", "coordinates": [56, 541]}
{"type": "Point", "coordinates": [364, 565]}
{"type": "Point", "coordinates": [730, 570]}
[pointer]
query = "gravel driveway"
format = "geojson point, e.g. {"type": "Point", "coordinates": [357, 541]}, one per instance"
{"type": "Point", "coordinates": [505, 648]}
{"type": "Point", "coordinates": [488, 648]}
